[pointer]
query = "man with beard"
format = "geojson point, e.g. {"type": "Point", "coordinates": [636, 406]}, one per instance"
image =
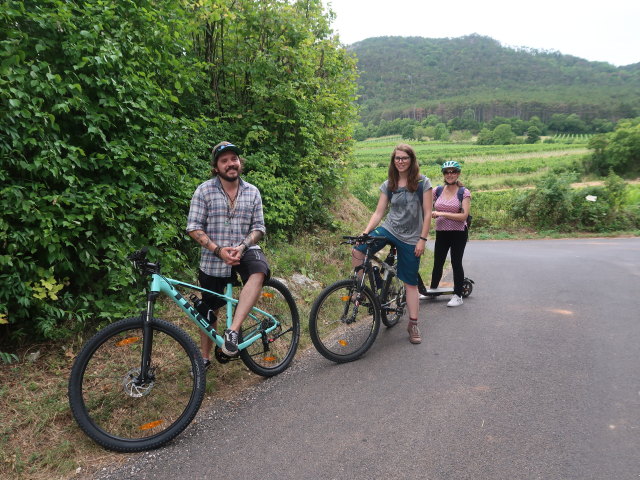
{"type": "Point", "coordinates": [226, 219]}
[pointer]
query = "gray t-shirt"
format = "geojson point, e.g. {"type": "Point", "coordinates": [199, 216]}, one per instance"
{"type": "Point", "coordinates": [404, 219]}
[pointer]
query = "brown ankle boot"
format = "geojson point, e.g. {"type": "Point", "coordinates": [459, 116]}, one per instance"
{"type": "Point", "coordinates": [414, 333]}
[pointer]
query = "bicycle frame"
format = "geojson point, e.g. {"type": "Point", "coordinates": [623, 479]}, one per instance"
{"type": "Point", "coordinates": [161, 284]}
{"type": "Point", "coordinates": [366, 266]}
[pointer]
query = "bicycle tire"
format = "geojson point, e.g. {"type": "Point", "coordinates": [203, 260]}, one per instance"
{"type": "Point", "coordinates": [393, 300]}
{"type": "Point", "coordinates": [273, 353]}
{"type": "Point", "coordinates": [122, 416]}
{"type": "Point", "coordinates": [340, 333]}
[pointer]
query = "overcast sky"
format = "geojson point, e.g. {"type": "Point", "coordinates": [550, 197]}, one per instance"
{"type": "Point", "coordinates": [603, 30]}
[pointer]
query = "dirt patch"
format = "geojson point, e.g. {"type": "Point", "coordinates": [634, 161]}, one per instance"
{"type": "Point", "coordinates": [599, 183]}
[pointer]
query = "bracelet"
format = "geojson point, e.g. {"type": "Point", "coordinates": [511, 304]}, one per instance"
{"type": "Point", "coordinates": [422, 238]}
{"type": "Point", "coordinates": [216, 251]}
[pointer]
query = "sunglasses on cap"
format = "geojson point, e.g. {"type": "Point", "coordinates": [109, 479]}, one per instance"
{"type": "Point", "coordinates": [222, 148]}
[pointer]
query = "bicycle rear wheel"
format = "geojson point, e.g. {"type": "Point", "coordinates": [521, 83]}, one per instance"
{"type": "Point", "coordinates": [273, 352]}
{"type": "Point", "coordinates": [393, 300]}
{"type": "Point", "coordinates": [120, 414]}
{"type": "Point", "coordinates": [341, 330]}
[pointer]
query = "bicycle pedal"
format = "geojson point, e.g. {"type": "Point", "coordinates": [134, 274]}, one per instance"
{"type": "Point", "coordinates": [221, 356]}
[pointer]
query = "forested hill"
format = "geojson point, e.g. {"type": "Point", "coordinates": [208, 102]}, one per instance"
{"type": "Point", "coordinates": [415, 76]}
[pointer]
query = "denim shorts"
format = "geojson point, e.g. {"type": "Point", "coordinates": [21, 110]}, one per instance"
{"type": "Point", "coordinates": [408, 263]}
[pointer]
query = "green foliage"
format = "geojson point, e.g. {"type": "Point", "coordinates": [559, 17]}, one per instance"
{"type": "Point", "coordinates": [108, 110]}
{"type": "Point", "coordinates": [567, 123]}
{"type": "Point", "coordinates": [491, 210]}
{"type": "Point", "coordinates": [618, 151]}
{"type": "Point", "coordinates": [533, 134]}
{"type": "Point", "coordinates": [283, 89]}
{"type": "Point", "coordinates": [441, 132]}
{"type": "Point", "coordinates": [503, 135]}
{"type": "Point", "coordinates": [554, 205]}
{"type": "Point", "coordinates": [89, 105]}
{"type": "Point", "coordinates": [485, 137]}
{"type": "Point", "coordinates": [8, 357]}
{"type": "Point", "coordinates": [475, 78]}
{"type": "Point", "coordinates": [549, 204]}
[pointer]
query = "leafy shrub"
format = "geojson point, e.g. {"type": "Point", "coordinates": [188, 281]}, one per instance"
{"type": "Point", "coordinates": [491, 210]}
{"type": "Point", "coordinates": [108, 110]}
{"type": "Point", "coordinates": [618, 151]}
{"type": "Point", "coordinates": [92, 149]}
{"type": "Point", "coordinates": [555, 205]}
{"type": "Point", "coordinates": [548, 205]}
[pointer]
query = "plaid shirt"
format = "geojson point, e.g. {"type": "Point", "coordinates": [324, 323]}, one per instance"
{"type": "Point", "coordinates": [210, 212]}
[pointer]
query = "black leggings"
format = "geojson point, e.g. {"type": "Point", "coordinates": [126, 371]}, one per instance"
{"type": "Point", "coordinates": [455, 240]}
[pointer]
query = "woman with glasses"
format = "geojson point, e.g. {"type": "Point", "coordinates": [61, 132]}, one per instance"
{"type": "Point", "coordinates": [406, 225]}
{"type": "Point", "coordinates": [451, 205]}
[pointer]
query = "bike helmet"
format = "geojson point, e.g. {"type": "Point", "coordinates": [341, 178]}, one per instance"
{"type": "Point", "coordinates": [451, 164]}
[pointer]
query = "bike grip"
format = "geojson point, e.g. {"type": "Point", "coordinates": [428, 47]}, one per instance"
{"type": "Point", "coordinates": [138, 255]}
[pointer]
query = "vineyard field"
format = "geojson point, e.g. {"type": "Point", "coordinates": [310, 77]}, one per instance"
{"type": "Point", "coordinates": [496, 174]}
{"type": "Point", "coordinates": [485, 167]}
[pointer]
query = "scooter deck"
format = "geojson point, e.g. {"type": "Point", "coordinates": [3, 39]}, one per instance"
{"type": "Point", "coordinates": [439, 290]}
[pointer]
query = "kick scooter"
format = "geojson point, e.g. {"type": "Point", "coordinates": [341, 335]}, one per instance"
{"type": "Point", "coordinates": [467, 288]}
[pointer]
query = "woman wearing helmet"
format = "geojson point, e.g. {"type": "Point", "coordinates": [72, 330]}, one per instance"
{"type": "Point", "coordinates": [406, 225]}
{"type": "Point", "coordinates": [451, 205]}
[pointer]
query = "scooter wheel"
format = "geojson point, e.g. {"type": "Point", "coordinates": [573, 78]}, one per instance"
{"type": "Point", "coordinates": [467, 287]}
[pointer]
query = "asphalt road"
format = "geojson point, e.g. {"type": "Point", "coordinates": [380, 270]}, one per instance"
{"type": "Point", "coordinates": [536, 376]}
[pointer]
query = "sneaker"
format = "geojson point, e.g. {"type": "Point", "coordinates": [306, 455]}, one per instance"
{"type": "Point", "coordinates": [455, 301]}
{"type": "Point", "coordinates": [414, 333]}
{"type": "Point", "coordinates": [230, 346]}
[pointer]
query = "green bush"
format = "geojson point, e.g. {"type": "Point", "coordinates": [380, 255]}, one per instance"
{"type": "Point", "coordinates": [553, 204]}
{"type": "Point", "coordinates": [618, 150]}
{"type": "Point", "coordinates": [491, 210]}
{"type": "Point", "coordinates": [108, 111]}
{"type": "Point", "coordinates": [549, 205]}
{"type": "Point", "coordinates": [92, 148]}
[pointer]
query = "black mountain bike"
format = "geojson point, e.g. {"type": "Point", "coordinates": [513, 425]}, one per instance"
{"type": "Point", "coordinates": [345, 318]}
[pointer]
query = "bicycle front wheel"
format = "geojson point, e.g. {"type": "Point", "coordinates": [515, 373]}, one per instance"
{"type": "Point", "coordinates": [393, 300]}
{"type": "Point", "coordinates": [272, 353]}
{"type": "Point", "coordinates": [119, 412]}
{"type": "Point", "coordinates": [342, 329]}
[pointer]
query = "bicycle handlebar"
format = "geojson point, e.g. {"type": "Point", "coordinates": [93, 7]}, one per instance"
{"type": "Point", "coordinates": [139, 260]}
{"type": "Point", "coordinates": [366, 239]}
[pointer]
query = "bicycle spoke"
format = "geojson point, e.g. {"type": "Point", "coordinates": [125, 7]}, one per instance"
{"type": "Point", "coordinates": [272, 352]}
{"type": "Point", "coordinates": [120, 411]}
{"type": "Point", "coordinates": [393, 300]}
{"type": "Point", "coordinates": [340, 329]}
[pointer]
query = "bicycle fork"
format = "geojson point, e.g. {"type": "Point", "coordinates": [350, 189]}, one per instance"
{"type": "Point", "coordinates": [145, 375]}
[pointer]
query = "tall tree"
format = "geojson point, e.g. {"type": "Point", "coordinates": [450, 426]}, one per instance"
{"type": "Point", "coordinates": [281, 85]}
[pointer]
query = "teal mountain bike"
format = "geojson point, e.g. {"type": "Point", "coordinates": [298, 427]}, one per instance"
{"type": "Point", "coordinates": [139, 382]}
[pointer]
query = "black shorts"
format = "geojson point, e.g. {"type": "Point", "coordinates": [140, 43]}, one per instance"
{"type": "Point", "coordinates": [253, 261]}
